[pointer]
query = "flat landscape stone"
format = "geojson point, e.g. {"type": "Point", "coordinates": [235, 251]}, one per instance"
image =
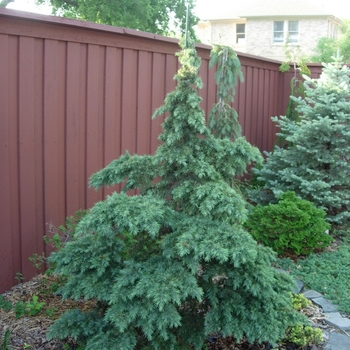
{"type": "Point", "coordinates": [312, 294]}
{"type": "Point", "coordinates": [326, 305]}
{"type": "Point", "coordinates": [299, 286]}
{"type": "Point", "coordinates": [335, 319]}
{"type": "Point", "coordinates": [337, 341]}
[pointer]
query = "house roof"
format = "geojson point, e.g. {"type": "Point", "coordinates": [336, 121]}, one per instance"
{"type": "Point", "coordinates": [269, 8]}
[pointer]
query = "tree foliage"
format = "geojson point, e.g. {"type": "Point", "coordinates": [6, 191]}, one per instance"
{"type": "Point", "coordinates": [223, 119]}
{"type": "Point", "coordinates": [327, 48]}
{"type": "Point", "coordinates": [316, 162]}
{"type": "Point", "coordinates": [172, 265]}
{"type": "Point", "coordinates": [155, 16]}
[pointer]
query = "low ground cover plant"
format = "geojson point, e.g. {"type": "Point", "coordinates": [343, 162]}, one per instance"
{"type": "Point", "coordinates": [326, 272]}
{"type": "Point", "coordinates": [291, 225]}
{"type": "Point", "coordinates": [174, 264]}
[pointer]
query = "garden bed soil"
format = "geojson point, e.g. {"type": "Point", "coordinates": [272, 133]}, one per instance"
{"type": "Point", "coordinates": [29, 332]}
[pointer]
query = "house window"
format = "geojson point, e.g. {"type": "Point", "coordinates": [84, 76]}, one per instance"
{"type": "Point", "coordinates": [293, 31]}
{"type": "Point", "coordinates": [240, 33]}
{"type": "Point", "coordinates": [285, 30]}
{"type": "Point", "coordinates": [278, 31]}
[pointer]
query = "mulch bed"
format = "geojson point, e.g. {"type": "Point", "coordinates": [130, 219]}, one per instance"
{"type": "Point", "coordinates": [29, 332]}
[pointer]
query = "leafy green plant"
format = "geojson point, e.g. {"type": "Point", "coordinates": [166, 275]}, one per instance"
{"type": "Point", "coordinates": [293, 224]}
{"type": "Point", "coordinates": [5, 304]}
{"type": "Point", "coordinates": [60, 236]}
{"type": "Point", "coordinates": [37, 260]}
{"type": "Point", "coordinates": [173, 264]}
{"type": "Point", "coordinates": [57, 238]}
{"type": "Point", "coordinates": [51, 312]}
{"type": "Point", "coordinates": [300, 302]}
{"type": "Point", "coordinates": [6, 340]}
{"type": "Point", "coordinates": [303, 335]}
{"type": "Point", "coordinates": [294, 57]}
{"type": "Point", "coordinates": [34, 307]}
{"type": "Point", "coordinates": [31, 308]}
{"type": "Point", "coordinates": [20, 309]}
{"type": "Point", "coordinates": [19, 277]}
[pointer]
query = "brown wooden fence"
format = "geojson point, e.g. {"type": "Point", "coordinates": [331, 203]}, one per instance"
{"type": "Point", "coordinates": [76, 95]}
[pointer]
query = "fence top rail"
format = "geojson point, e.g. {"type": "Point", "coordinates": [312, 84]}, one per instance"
{"type": "Point", "coordinates": [44, 20]}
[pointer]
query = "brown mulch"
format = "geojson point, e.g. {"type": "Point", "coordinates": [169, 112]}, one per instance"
{"type": "Point", "coordinates": [29, 332]}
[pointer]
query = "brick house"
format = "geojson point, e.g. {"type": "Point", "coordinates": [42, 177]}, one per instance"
{"type": "Point", "coordinates": [262, 28]}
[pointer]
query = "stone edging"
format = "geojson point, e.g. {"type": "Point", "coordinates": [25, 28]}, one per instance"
{"type": "Point", "coordinates": [338, 340]}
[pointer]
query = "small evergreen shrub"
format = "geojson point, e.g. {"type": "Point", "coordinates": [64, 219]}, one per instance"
{"type": "Point", "coordinates": [303, 335]}
{"type": "Point", "coordinates": [293, 224]}
{"type": "Point", "coordinates": [300, 302]}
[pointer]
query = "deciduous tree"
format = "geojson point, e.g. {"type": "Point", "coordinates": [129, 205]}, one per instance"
{"type": "Point", "coordinates": [327, 48]}
{"type": "Point", "coordinates": [155, 16]}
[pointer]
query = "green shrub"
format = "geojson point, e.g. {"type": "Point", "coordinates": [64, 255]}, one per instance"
{"type": "Point", "coordinates": [304, 335]}
{"type": "Point", "coordinates": [173, 264]}
{"type": "Point", "coordinates": [300, 302]}
{"type": "Point", "coordinates": [292, 224]}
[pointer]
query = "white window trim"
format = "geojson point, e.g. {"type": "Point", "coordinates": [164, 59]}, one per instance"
{"type": "Point", "coordinates": [241, 41]}
{"type": "Point", "coordinates": [285, 32]}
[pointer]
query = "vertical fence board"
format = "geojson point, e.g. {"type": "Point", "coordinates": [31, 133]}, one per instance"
{"type": "Point", "coordinates": [27, 164]}
{"type": "Point", "coordinates": [53, 128]}
{"type": "Point", "coordinates": [82, 129]}
{"type": "Point", "coordinates": [38, 143]}
{"type": "Point", "coordinates": [112, 111]}
{"type": "Point", "coordinates": [74, 130]}
{"type": "Point", "coordinates": [170, 71]}
{"type": "Point", "coordinates": [94, 119]}
{"type": "Point", "coordinates": [6, 252]}
{"type": "Point", "coordinates": [129, 100]}
{"type": "Point", "coordinates": [266, 109]}
{"type": "Point", "coordinates": [144, 110]}
{"type": "Point", "coordinates": [260, 109]}
{"type": "Point", "coordinates": [158, 95]}
{"type": "Point", "coordinates": [248, 105]}
{"type": "Point", "coordinates": [13, 117]}
{"type": "Point", "coordinates": [51, 135]}
{"type": "Point", "coordinates": [240, 98]}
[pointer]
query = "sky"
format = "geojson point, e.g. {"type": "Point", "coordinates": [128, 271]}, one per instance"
{"type": "Point", "coordinates": [340, 8]}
